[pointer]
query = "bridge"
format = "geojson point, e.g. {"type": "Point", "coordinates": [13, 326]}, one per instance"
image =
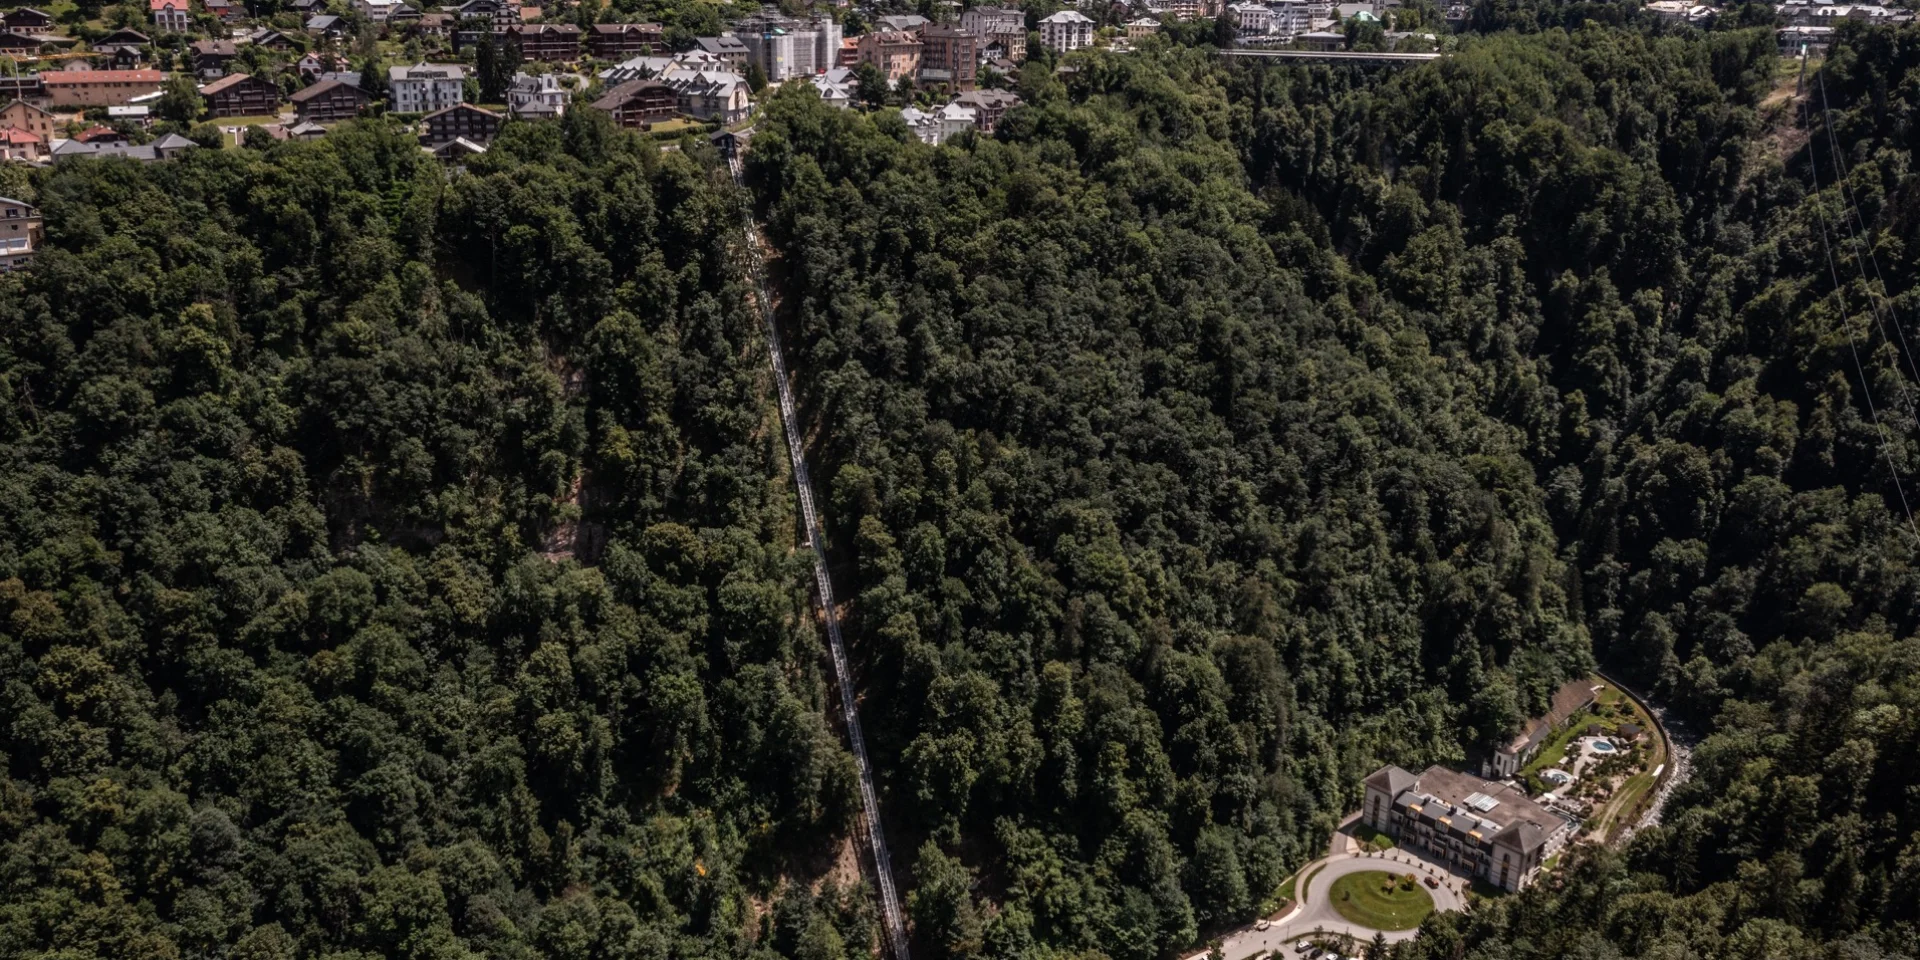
{"type": "Point", "coordinates": [1335, 56]}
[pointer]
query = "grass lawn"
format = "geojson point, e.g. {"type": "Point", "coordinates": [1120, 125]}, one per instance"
{"type": "Point", "coordinates": [1372, 838]}
{"type": "Point", "coordinates": [676, 126]}
{"type": "Point", "coordinates": [254, 121]}
{"type": "Point", "coordinates": [1377, 899]}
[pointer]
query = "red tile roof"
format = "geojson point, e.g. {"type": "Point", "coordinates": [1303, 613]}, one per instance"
{"type": "Point", "coordinates": [54, 78]}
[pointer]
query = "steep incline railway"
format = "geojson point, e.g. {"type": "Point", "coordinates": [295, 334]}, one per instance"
{"type": "Point", "coordinates": [891, 915]}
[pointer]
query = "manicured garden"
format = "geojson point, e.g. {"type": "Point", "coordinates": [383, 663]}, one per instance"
{"type": "Point", "coordinates": [1381, 900]}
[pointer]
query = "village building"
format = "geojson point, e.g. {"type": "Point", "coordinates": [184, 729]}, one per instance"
{"type": "Point", "coordinates": [124, 37]}
{"type": "Point", "coordinates": [543, 42]}
{"type": "Point", "coordinates": [270, 39]}
{"type": "Point", "coordinates": [226, 11]}
{"type": "Point", "coordinates": [21, 115]}
{"type": "Point", "coordinates": [896, 55]}
{"type": "Point", "coordinates": [838, 88]}
{"type": "Point", "coordinates": [165, 148]}
{"type": "Point", "coordinates": [1066, 31]}
{"type": "Point", "coordinates": [376, 11]}
{"type": "Point", "coordinates": [121, 58]}
{"type": "Point", "coordinates": [22, 44]}
{"type": "Point", "coordinates": [21, 145]}
{"type": "Point", "coordinates": [618, 41]}
{"type": "Point", "coordinates": [727, 50]}
{"type": "Point", "coordinates": [1573, 697]}
{"type": "Point", "coordinates": [988, 106]}
{"type": "Point", "coordinates": [1291, 17]}
{"type": "Point", "coordinates": [940, 125]}
{"type": "Point", "coordinates": [949, 56]}
{"type": "Point", "coordinates": [426, 87]}
{"type": "Point", "coordinates": [901, 22]}
{"type": "Point", "coordinates": [536, 97]}
{"type": "Point", "coordinates": [455, 150]}
{"type": "Point", "coordinates": [19, 233]}
{"type": "Point", "coordinates": [26, 20]}
{"type": "Point", "coordinates": [241, 95]}
{"type": "Point", "coordinates": [99, 88]}
{"type": "Point", "coordinates": [432, 24]}
{"type": "Point", "coordinates": [212, 57]}
{"type": "Point", "coordinates": [327, 25]}
{"type": "Point", "coordinates": [710, 95]}
{"type": "Point", "coordinates": [1003, 25]}
{"type": "Point", "coordinates": [171, 16]}
{"type": "Point", "coordinates": [328, 101]}
{"type": "Point", "coordinates": [462, 121]}
{"type": "Point", "coordinates": [639, 104]}
{"type": "Point", "coordinates": [493, 13]}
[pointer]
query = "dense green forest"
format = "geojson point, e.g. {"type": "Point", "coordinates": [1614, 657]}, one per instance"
{"type": "Point", "coordinates": [398, 562]}
{"type": "Point", "coordinates": [1212, 435]}
{"type": "Point", "coordinates": [296, 655]}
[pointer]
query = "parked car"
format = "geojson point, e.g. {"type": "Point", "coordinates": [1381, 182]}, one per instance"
{"type": "Point", "coordinates": [1433, 884]}
{"type": "Point", "coordinates": [1263, 924]}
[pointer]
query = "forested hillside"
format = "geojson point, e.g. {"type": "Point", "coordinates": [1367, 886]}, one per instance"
{"type": "Point", "coordinates": [296, 659]}
{"type": "Point", "coordinates": [397, 562]}
{"type": "Point", "coordinates": [1216, 433]}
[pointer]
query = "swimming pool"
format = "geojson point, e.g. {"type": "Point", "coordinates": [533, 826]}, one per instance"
{"type": "Point", "coordinates": [1602, 746]}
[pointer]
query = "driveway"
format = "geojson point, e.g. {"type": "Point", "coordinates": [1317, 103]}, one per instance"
{"type": "Point", "coordinates": [1315, 913]}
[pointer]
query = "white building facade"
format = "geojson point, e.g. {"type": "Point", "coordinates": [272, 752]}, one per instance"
{"type": "Point", "coordinates": [536, 98]}
{"type": "Point", "coordinates": [1291, 17]}
{"type": "Point", "coordinates": [1252, 19]}
{"type": "Point", "coordinates": [1066, 31]}
{"type": "Point", "coordinates": [427, 87]}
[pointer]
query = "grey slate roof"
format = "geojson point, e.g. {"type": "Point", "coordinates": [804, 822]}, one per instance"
{"type": "Point", "coordinates": [1391, 780]}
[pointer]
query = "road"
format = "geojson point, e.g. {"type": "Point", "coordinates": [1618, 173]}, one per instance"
{"type": "Point", "coordinates": [1334, 56]}
{"type": "Point", "coordinates": [891, 916]}
{"type": "Point", "coordinates": [1316, 915]}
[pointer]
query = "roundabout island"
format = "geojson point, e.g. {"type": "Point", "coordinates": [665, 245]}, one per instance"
{"type": "Point", "coordinates": [1345, 895]}
{"type": "Point", "coordinates": [1381, 900]}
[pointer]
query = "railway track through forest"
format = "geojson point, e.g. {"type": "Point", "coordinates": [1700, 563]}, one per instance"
{"type": "Point", "coordinates": [891, 915]}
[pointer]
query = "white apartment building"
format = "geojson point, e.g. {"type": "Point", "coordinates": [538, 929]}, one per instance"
{"type": "Point", "coordinates": [1006, 27]}
{"type": "Point", "coordinates": [171, 15]}
{"type": "Point", "coordinates": [984, 22]}
{"type": "Point", "coordinates": [940, 125]}
{"type": "Point", "coordinates": [427, 87]}
{"type": "Point", "coordinates": [1066, 31]}
{"type": "Point", "coordinates": [1291, 17]}
{"type": "Point", "coordinates": [536, 98]}
{"type": "Point", "coordinates": [378, 11]}
{"type": "Point", "coordinates": [1252, 19]}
